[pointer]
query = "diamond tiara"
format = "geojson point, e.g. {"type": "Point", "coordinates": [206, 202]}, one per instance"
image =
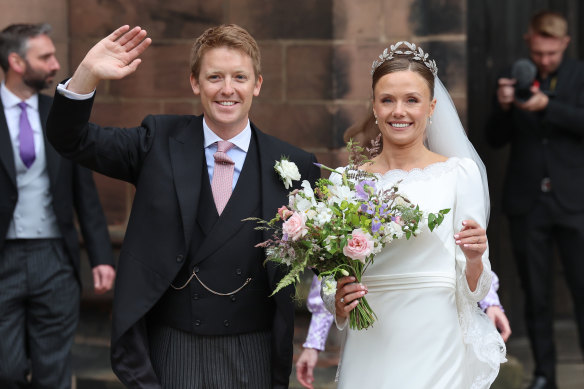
{"type": "Point", "coordinates": [417, 53]}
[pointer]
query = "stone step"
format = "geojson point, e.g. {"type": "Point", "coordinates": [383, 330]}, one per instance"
{"type": "Point", "coordinates": [92, 369]}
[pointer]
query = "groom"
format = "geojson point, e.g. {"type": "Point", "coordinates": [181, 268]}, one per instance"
{"type": "Point", "coordinates": [191, 306]}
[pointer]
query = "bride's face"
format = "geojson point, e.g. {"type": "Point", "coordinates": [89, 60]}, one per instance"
{"type": "Point", "coordinates": [402, 105]}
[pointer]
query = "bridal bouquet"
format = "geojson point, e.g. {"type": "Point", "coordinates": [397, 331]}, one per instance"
{"type": "Point", "coordinates": [338, 226]}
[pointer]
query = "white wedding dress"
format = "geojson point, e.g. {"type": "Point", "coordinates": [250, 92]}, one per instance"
{"type": "Point", "coordinates": [429, 333]}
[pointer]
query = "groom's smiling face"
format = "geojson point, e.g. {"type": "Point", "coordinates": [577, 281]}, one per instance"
{"type": "Point", "coordinates": [227, 85]}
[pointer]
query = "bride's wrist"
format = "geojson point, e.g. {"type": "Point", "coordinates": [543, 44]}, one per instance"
{"type": "Point", "coordinates": [473, 274]}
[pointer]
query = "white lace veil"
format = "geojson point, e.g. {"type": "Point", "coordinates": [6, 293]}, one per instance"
{"type": "Point", "coordinates": [446, 136]}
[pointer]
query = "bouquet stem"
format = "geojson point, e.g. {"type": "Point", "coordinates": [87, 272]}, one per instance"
{"type": "Point", "coordinates": [362, 317]}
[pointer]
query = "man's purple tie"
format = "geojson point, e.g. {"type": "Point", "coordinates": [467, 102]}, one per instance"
{"type": "Point", "coordinates": [26, 138]}
{"type": "Point", "coordinates": [222, 175]}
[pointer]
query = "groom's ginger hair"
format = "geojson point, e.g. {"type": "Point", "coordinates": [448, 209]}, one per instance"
{"type": "Point", "coordinates": [226, 35]}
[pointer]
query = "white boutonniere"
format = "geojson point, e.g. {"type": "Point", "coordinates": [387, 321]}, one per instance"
{"type": "Point", "coordinates": [288, 171]}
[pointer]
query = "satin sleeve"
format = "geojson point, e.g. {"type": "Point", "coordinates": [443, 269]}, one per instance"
{"type": "Point", "coordinates": [470, 204]}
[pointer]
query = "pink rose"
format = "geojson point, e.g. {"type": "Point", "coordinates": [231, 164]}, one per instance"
{"type": "Point", "coordinates": [284, 212]}
{"type": "Point", "coordinates": [360, 245]}
{"type": "Point", "coordinates": [295, 228]}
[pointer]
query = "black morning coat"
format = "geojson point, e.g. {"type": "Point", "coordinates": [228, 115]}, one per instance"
{"type": "Point", "coordinates": [163, 158]}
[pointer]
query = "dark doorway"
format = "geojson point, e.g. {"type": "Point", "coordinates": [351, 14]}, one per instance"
{"type": "Point", "coordinates": [495, 40]}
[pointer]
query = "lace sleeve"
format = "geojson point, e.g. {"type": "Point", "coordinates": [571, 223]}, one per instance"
{"type": "Point", "coordinates": [329, 303]}
{"type": "Point", "coordinates": [483, 284]}
{"type": "Point", "coordinates": [485, 347]}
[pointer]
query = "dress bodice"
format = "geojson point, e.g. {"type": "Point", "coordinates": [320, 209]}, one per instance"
{"type": "Point", "coordinates": [432, 189]}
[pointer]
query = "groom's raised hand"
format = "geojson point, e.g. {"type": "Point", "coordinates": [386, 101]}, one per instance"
{"type": "Point", "coordinates": [112, 58]}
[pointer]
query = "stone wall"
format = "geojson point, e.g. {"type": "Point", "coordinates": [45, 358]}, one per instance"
{"type": "Point", "coordinates": [316, 61]}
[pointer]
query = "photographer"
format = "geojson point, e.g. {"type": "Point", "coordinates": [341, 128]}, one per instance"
{"type": "Point", "coordinates": [544, 187]}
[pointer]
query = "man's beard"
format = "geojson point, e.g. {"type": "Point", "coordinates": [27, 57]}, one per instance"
{"type": "Point", "coordinates": [37, 79]}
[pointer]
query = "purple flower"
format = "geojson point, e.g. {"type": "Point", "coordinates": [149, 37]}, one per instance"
{"type": "Point", "coordinates": [368, 207]}
{"type": "Point", "coordinates": [384, 210]}
{"type": "Point", "coordinates": [365, 189]}
{"type": "Point", "coordinates": [375, 225]}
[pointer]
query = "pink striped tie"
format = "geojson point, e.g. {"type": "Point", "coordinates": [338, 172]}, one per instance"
{"type": "Point", "coordinates": [222, 175]}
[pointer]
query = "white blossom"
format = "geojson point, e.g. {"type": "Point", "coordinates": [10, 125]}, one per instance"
{"type": "Point", "coordinates": [323, 214]}
{"type": "Point", "coordinates": [288, 172]}
{"type": "Point", "coordinates": [342, 193]}
{"type": "Point", "coordinates": [329, 286]}
{"type": "Point", "coordinates": [395, 229]}
{"type": "Point", "coordinates": [311, 214]}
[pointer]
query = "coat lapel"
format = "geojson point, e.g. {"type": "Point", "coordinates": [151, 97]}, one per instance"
{"type": "Point", "coordinates": [6, 152]}
{"type": "Point", "coordinates": [274, 194]}
{"type": "Point", "coordinates": [186, 156]}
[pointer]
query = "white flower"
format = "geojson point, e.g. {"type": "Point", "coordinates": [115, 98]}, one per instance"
{"type": "Point", "coordinates": [329, 286]}
{"type": "Point", "coordinates": [327, 242]}
{"type": "Point", "coordinates": [395, 229]}
{"type": "Point", "coordinates": [311, 214]}
{"type": "Point", "coordinates": [377, 248]}
{"type": "Point", "coordinates": [308, 192]}
{"type": "Point", "coordinates": [323, 214]}
{"type": "Point", "coordinates": [299, 203]}
{"type": "Point", "coordinates": [288, 172]}
{"type": "Point", "coordinates": [342, 193]}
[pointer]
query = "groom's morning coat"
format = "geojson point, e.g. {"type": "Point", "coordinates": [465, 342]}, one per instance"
{"type": "Point", "coordinates": [164, 159]}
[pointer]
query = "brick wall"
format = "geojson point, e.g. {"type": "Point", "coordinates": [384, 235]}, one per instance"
{"type": "Point", "coordinates": [316, 57]}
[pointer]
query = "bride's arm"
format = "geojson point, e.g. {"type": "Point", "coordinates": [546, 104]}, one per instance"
{"type": "Point", "coordinates": [469, 215]}
{"type": "Point", "coordinates": [472, 240]}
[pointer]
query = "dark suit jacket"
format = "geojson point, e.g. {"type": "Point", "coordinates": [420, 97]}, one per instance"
{"type": "Point", "coordinates": [544, 144]}
{"type": "Point", "coordinates": [72, 188]}
{"type": "Point", "coordinates": [162, 158]}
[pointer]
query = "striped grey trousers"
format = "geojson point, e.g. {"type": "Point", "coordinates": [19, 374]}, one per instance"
{"type": "Point", "coordinates": [183, 360]}
{"type": "Point", "coordinates": [39, 310]}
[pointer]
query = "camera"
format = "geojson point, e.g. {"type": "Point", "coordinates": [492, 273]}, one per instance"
{"type": "Point", "coordinates": [524, 72]}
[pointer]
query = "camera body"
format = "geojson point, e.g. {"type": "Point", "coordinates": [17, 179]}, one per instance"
{"type": "Point", "coordinates": [524, 72]}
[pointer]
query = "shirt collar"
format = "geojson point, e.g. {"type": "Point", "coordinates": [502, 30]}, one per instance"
{"type": "Point", "coordinates": [240, 140]}
{"type": "Point", "coordinates": [10, 100]}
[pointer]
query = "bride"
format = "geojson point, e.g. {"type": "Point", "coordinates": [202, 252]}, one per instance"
{"type": "Point", "coordinates": [430, 332]}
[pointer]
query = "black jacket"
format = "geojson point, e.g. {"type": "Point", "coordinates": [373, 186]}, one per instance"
{"type": "Point", "coordinates": [163, 158]}
{"type": "Point", "coordinates": [549, 143]}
